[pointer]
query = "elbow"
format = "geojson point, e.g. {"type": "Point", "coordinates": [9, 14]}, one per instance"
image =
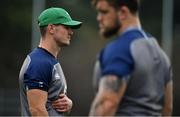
{"type": "Point", "coordinates": [104, 107]}
{"type": "Point", "coordinates": [111, 105]}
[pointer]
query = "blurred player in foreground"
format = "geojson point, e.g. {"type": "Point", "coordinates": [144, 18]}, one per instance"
{"type": "Point", "coordinates": [133, 74]}
{"type": "Point", "coordinates": [42, 82]}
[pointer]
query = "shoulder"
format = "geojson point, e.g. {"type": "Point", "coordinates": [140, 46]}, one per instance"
{"type": "Point", "coordinates": [124, 40]}
{"type": "Point", "coordinates": [41, 61]}
{"type": "Point", "coordinates": [39, 70]}
{"type": "Point", "coordinates": [41, 57]}
{"type": "Point", "coordinates": [121, 45]}
{"type": "Point", "coordinates": [116, 58]}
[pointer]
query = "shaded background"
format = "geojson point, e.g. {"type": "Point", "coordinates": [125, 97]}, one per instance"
{"type": "Point", "coordinates": [78, 59]}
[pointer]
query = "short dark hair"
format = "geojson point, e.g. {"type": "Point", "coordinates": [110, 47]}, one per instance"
{"type": "Point", "coordinates": [43, 30]}
{"type": "Point", "coordinates": [133, 5]}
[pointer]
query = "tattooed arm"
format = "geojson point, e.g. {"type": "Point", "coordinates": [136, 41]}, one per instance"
{"type": "Point", "coordinates": [109, 95]}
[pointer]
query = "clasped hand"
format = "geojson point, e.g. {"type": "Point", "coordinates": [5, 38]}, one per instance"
{"type": "Point", "coordinates": [62, 104]}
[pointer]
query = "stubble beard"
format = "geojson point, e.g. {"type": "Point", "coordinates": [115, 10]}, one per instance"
{"type": "Point", "coordinates": [109, 32]}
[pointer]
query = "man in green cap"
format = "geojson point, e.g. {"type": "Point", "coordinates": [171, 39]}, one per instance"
{"type": "Point", "coordinates": [42, 82]}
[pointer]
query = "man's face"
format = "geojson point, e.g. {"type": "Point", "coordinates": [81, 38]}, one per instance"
{"type": "Point", "coordinates": [62, 35]}
{"type": "Point", "coordinates": [107, 18]}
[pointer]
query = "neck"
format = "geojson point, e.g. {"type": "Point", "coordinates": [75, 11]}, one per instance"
{"type": "Point", "coordinates": [132, 22]}
{"type": "Point", "coordinates": [50, 46]}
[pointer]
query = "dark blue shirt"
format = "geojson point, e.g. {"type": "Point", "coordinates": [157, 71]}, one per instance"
{"type": "Point", "coordinates": [136, 57]}
{"type": "Point", "coordinates": [41, 70]}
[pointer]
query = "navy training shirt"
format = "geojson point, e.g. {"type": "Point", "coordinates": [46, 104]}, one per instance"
{"type": "Point", "coordinates": [41, 70]}
{"type": "Point", "coordinates": [137, 58]}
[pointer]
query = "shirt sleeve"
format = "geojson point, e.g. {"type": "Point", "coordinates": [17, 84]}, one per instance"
{"type": "Point", "coordinates": [38, 76]}
{"type": "Point", "coordinates": [116, 61]}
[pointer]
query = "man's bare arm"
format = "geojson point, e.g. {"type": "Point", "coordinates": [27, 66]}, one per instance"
{"type": "Point", "coordinates": [37, 102]}
{"type": "Point", "coordinates": [109, 95]}
{"type": "Point", "coordinates": [168, 102]}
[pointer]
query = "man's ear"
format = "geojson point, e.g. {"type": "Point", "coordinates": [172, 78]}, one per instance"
{"type": "Point", "coordinates": [50, 28]}
{"type": "Point", "coordinates": [123, 12]}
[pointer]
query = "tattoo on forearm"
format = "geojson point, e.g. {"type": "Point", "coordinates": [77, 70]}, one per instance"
{"type": "Point", "coordinates": [110, 88]}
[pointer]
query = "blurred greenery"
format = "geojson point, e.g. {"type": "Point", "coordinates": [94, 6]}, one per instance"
{"type": "Point", "coordinates": [78, 59]}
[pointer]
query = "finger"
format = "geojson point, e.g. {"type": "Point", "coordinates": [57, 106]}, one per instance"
{"type": "Point", "coordinates": [62, 95]}
{"type": "Point", "coordinates": [62, 110]}
{"type": "Point", "coordinates": [59, 107]}
{"type": "Point", "coordinates": [60, 104]}
{"type": "Point", "coordinates": [59, 101]}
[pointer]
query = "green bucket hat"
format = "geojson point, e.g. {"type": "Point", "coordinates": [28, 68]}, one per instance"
{"type": "Point", "coordinates": [57, 16]}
